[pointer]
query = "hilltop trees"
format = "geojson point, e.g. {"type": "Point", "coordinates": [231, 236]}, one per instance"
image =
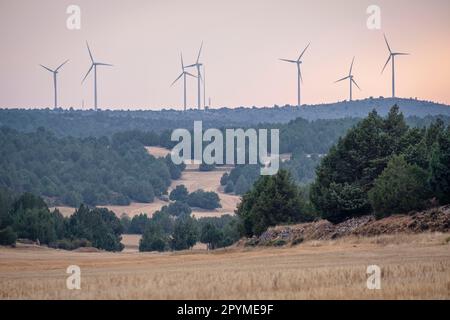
{"type": "Point", "coordinates": [72, 171]}
{"type": "Point", "coordinates": [272, 200]}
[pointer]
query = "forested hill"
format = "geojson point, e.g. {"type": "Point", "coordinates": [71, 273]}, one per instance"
{"type": "Point", "coordinates": [105, 123]}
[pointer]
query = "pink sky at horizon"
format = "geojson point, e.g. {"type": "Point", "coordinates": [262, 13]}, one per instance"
{"type": "Point", "coordinates": [243, 41]}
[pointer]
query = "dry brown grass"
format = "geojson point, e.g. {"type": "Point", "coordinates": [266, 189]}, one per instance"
{"type": "Point", "coordinates": [158, 152]}
{"type": "Point", "coordinates": [413, 266]}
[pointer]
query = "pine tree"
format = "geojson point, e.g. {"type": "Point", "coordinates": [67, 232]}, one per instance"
{"type": "Point", "coordinates": [273, 200]}
{"type": "Point", "coordinates": [399, 189]}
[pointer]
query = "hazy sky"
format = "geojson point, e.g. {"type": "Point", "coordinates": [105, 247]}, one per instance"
{"type": "Point", "coordinates": [243, 40]}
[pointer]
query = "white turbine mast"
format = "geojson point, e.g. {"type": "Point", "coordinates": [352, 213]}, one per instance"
{"type": "Point", "coordinates": [94, 66]}
{"type": "Point", "coordinates": [55, 82]}
{"type": "Point", "coordinates": [198, 65]}
{"type": "Point", "coordinates": [298, 62]}
{"type": "Point", "coordinates": [183, 74]}
{"type": "Point", "coordinates": [392, 56]}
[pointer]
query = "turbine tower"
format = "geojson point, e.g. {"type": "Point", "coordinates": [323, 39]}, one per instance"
{"type": "Point", "coordinates": [94, 66]}
{"type": "Point", "coordinates": [183, 74]}
{"type": "Point", "coordinates": [204, 87]}
{"type": "Point", "coordinates": [351, 79]}
{"type": "Point", "coordinates": [198, 65]}
{"type": "Point", "coordinates": [298, 62]}
{"type": "Point", "coordinates": [392, 56]}
{"type": "Point", "coordinates": [55, 73]}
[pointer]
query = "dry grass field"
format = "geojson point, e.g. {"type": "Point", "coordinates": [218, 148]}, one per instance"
{"type": "Point", "coordinates": [413, 267]}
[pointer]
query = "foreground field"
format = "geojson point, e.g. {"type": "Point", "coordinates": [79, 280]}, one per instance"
{"type": "Point", "coordinates": [413, 266]}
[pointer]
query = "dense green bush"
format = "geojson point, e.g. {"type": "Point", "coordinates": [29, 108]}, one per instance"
{"type": "Point", "coordinates": [229, 188]}
{"type": "Point", "coordinates": [28, 217]}
{"type": "Point", "coordinates": [242, 185]}
{"type": "Point", "coordinates": [185, 233]}
{"type": "Point", "coordinates": [180, 193]}
{"type": "Point", "coordinates": [227, 228]}
{"type": "Point", "coordinates": [224, 179]}
{"type": "Point", "coordinates": [272, 200]}
{"type": "Point", "coordinates": [177, 208]}
{"type": "Point", "coordinates": [204, 199]}
{"type": "Point", "coordinates": [154, 239]}
{"type": "Point", "coordinates": [349, 170]}
{"type": "Point", "coordinates": [99, 226]}
{"type": "Point", "coordinates": [7, 237]}
{"type": "Point", "coordinates": [353, 179]}
{"type": "Point", "coordinates": [211, 235]}
{"type": "Point", "coordinates": [400, 188]}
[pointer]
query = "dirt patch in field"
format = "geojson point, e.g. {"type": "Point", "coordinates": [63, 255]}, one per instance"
{"type": "Point", "coordinates": [158, 152]}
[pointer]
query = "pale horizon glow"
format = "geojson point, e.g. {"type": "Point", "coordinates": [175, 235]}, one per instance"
{"type": "Point", "coordinates": [243, 41]}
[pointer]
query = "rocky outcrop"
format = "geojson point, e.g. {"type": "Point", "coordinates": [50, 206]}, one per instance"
{"type": "Point", "coordinates": [432, 220]}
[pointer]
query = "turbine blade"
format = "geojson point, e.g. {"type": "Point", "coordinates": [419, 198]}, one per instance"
{"type": "Point", "coordinates": [356, 84]}
{"type": "Point", "coordinates": [389, 59]}
{"type": "Point", "coordinates": [387, 43]}
{"type": "Point", "coordinates": [104, 64]}
{"type": "Point", "coordinates": [342, 79]}
{"type": "Point", "coordinates": [182, 63]}
{"type": "Point", "coordinates": [62, 65]}
{"type": "Point", "coordinates": [286, 60]}
{"type": "Point", "coordinates": [90, 53]}
{"type": "Point", "coordinates": [301, 55]}
{"type": "Point", "coordinates": [199, 52]}
{"type": "Point", "coordinates": [301, 77]}
{"type": "Point", "coordinates": [47, 68]}
{"type": "Point", "coordinates": [351, 67]}
{"type": "Point", "coordinates": [177, 79]}
{"type": "Point", "coordinates": [92, 66]}
{"type": "Point", "coordinates": [190, 74]}
{"type": "Point", "coordinates": [191, 65]}
{"type": "Point", "coordinates": [401, 54]}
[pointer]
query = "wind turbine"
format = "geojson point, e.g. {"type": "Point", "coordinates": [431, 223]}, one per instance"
{"type": "Point", "coordinates": [350, 78]}
{"type": "Point", "coordinates": [183, 74]}
{"type": "Point", "coordinates": [198, 65]}
{"type": "Point", "coordinates": [298, 62]}
{"type": "Point", "coordinates": [204, 87]}
{"type": "Point", "coordinates": [55, 73]}
{"type": "Point", "coordinates": [392, 56]}
{"type": "Point", "coordinates": [94, 66]}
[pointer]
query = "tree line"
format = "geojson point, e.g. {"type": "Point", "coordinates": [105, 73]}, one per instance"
{"type": "Point", "coordinates": [380, 167]}
{"type": "Point", "coordinates": [93, 171]}
{"type": "Point", "coordinates": [27, 216]}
